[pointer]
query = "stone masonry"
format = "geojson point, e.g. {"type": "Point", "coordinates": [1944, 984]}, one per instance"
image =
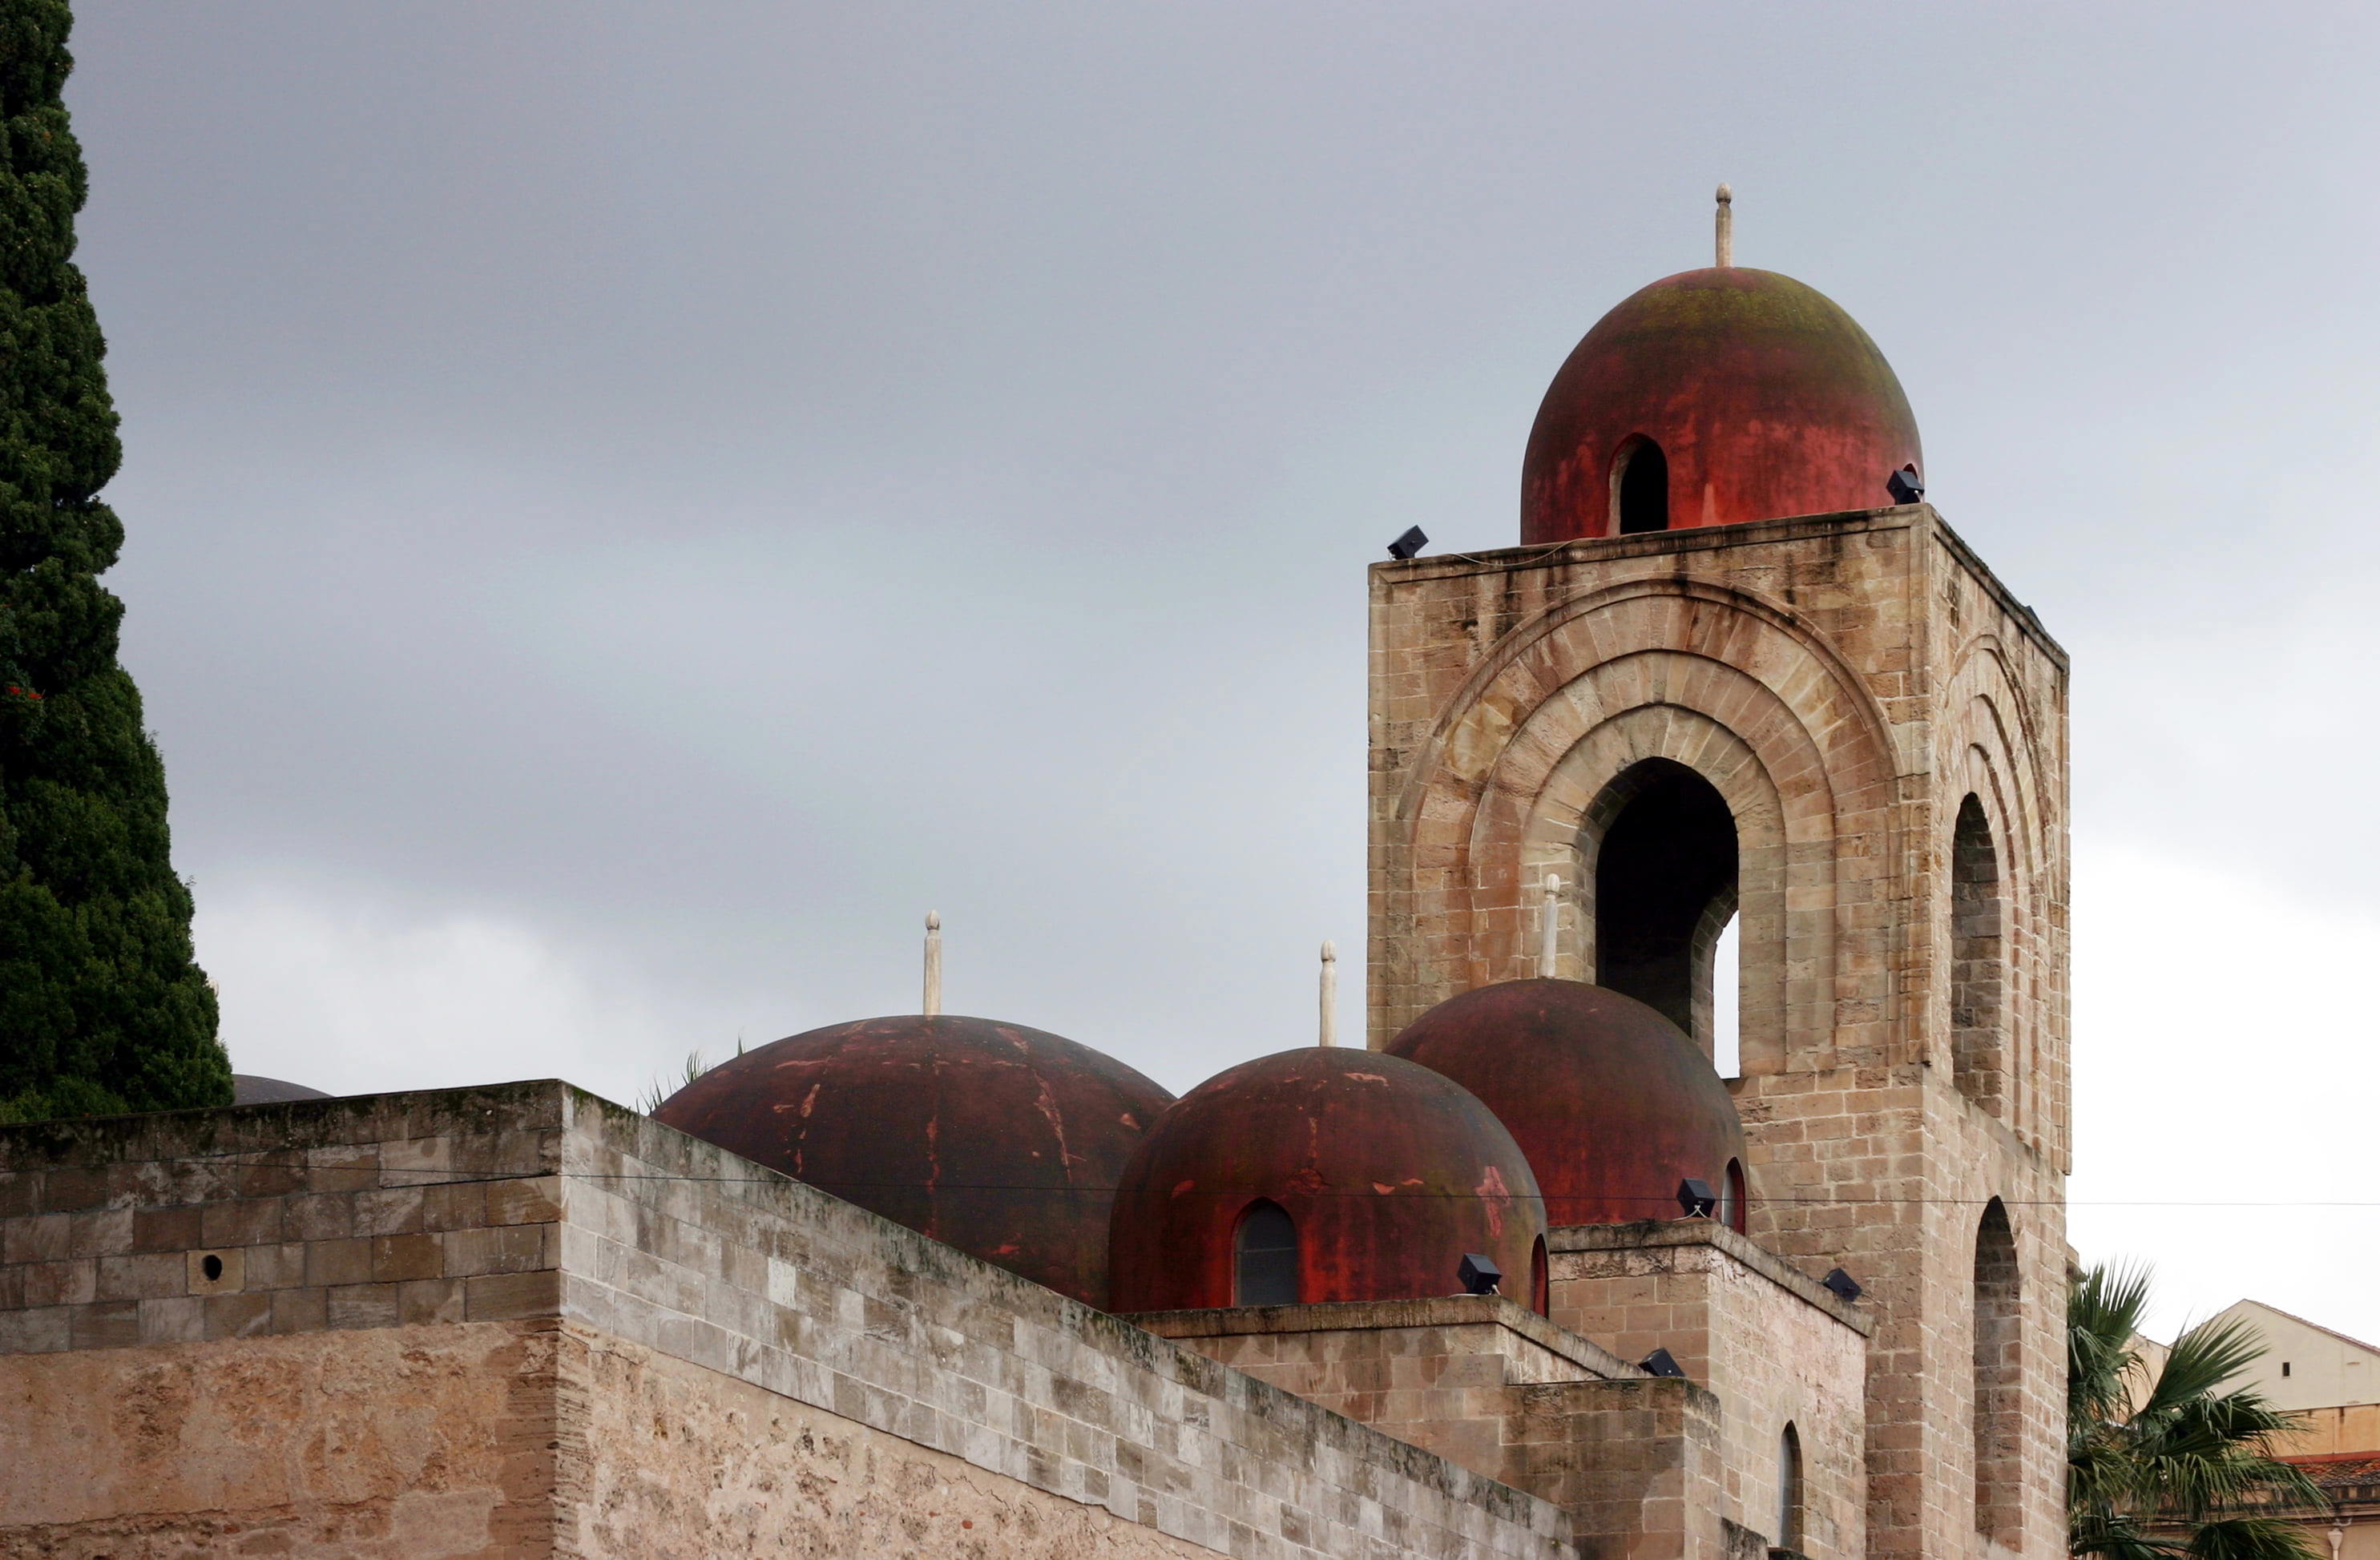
{"type": "Point", "coordinates": [521, 1322]}
{"type": "Point", "coordinates": [1850, 684]}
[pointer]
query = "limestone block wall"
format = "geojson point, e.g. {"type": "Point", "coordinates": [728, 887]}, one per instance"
{"type": "Point", "coordinates": [1773, 1347]}
{"type": "Point", "coordinates": [1637, 1463]}
{"type": "Point", "coordinates": [520, 1321]}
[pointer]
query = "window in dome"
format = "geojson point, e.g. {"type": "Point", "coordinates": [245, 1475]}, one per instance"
{"type": "Point", "coordinates": [1640, 489]}
{"type": "Point", "coordinates": [1265, 1266]}
{"type": "Point", "coordinates": [1978, 1061]}
{"type": "Point", "coordinates": [1665, 886]}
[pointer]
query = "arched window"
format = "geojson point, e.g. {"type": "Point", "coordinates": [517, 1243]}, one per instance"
{"type": "Point", "coordinates": [1264, 1257]}
{"type": "Point", "coordinates": [1664, 890]}
{"type": "Point", "coordinates": [1978, 1062]}
{"type": "Point", "coordinates": [1789, 1487]}
{"type": "Point", "coordinates": [1541, 1298]}
{"type": "Point", "coordinates": [1640, 489]}
{"type": "Point", "coordinates": [1732, 1197]}
{"type": "Point", "coordinates": [1998, 1403]}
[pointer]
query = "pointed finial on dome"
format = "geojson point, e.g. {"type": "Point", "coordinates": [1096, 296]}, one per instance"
{"type": "Point", "coordinates": [1548, 927]}
{"type": "Point", "coordinates": [933, 963]}
{"type": "Point", "coordinates": [1726, 227]}
{"type": "Point", "coordinates": [1330, 993]}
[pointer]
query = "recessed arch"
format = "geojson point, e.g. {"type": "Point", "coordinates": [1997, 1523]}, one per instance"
{"type": "Point", "coordinates": [1999, 1402]}
{"type": "Point", "coordinates": [1665, 888]}
{"type": "Point", "coordinates": [1978, 960]}
{"type": "Point", "coordinates": [1789, 1487]}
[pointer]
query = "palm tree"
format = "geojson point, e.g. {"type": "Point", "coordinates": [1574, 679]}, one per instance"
{"type": "Point", "coordinates": [2162, 1463]}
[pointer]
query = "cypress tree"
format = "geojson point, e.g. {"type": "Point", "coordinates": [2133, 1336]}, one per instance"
{"type": "Point", "coordinates": [101, 1006]}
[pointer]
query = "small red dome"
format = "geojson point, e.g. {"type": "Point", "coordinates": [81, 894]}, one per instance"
{"type": "Point", "coordinates": [1388, 1175]}
{"type": "Point", "coordinates": [1002, 1141]}
{"type": "Point", "coordinates": [1763, 398]}
{"type": "Point", "coordinates": [1610, 1101]}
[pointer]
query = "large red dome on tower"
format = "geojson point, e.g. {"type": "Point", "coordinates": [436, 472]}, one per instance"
{"type": "Point", "coordinates": [1371, 1177]}
{"type": "Point", "coordinates": [1610, 1101]}
{"type": "Point", "coordinates": [1002, 1141]}
{"type": "Point", "coordinates": [1711, 397]}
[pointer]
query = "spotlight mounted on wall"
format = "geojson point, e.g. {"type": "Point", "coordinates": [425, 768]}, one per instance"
{"type": "Point", "coordinates": [1660, 1362]}
{"type": "Point", "coordinates": [1905, 485]}
{"type": "Point", "coordinates": [1696, 1198]}
{"type": "Point", "coordinates": [1480, 1275]}
{"type": "Point", "coordinates": [1844, 1287]}
{"type": "Point", "coordinates": [1405, 546]}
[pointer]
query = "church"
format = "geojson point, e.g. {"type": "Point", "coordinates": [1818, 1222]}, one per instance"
{"type": "Point", "coordinates": [1537, 1269]}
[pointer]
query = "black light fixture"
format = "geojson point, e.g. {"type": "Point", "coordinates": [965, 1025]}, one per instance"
{"type": "Point", "coordinates": [1405, 546]}
{"type": "Point", "coordinates": [1845, 1287]}
{"type": "Point", "coordinates": [1660, 1362]}
{"type": "Point", "coordinates": [1479, 1275]}
{"type": "Point", "coordinates": [1696, 1198]}
{"type": "Point", "coordinates": [1905, 485]}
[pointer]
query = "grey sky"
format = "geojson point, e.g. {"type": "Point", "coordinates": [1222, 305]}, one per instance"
{"type": "Point", "coordinates": [631, 504]}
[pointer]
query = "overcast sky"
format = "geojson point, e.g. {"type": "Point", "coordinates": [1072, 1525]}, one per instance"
{"type": "Point", "coordinates": [630, 506]}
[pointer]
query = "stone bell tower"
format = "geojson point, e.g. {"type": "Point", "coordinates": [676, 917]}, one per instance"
{"type": "Point", "coordinates": [1719, 683]}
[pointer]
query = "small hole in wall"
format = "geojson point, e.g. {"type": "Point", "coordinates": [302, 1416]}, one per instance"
{"type": "Point", "coordinates": [211, 1266]}
{"type": "Point", "coordinates": [2284, 1367]}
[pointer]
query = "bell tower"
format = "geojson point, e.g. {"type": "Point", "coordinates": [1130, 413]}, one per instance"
{"type": "Point", "coordinates": [1722, 686]}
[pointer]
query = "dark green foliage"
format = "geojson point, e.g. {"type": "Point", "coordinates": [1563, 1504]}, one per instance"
{"type": "Point", "coordinates": [2165, 1465]}
{"type": "Point", "coordinates": [101, 1006]}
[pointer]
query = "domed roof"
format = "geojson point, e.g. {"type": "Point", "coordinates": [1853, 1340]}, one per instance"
{"type": "Point", "coordinates": [1389, 1175]}
{"type": "Point", "coordinates": [1002, 1141]}
{"type": "Point", "coordinates": [252, 1088]}
{"type": "Point", "coordinates": [1610, 1101]}
{"type": "Point", "coordinates": [1765, 400]}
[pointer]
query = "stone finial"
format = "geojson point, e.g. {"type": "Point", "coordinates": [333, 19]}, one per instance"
{"type": "Point", "coordinates": [1330, 993]}
{"type": "Point", "coordinates": [933, 963]}
{"type": "Point", "coordinates": [1726, 227]}
{"type": "Point", "coordinates": [1549, 926]}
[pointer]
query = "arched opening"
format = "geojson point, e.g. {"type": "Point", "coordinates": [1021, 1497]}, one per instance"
{"type": "Point", "coordinates": [1977, 1062]}
{"type": "Point", "coordinates": [1664, 891]}
{"type": "Point", "coordinates": [1640, 489]}
{"type": "Point", "coordinates": [1789, 1487]}
{"type": "Point", "coordinates": [1732, 1197]}
{"type": "Point", "coordinates": [1541, 1298]}
{"type": "Point", "coordinates": [1727, 994]}
{"type": "Point", "coordinates": [1999, 1431]}
{"type": "Point", "coordinates": [1264, 1257]}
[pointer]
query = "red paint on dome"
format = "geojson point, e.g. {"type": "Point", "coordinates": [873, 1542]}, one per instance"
{"type": "Point", "coordinates": [1765, 399]}
{"type": "Point", "coordinates": [1002, 1141]}
{"type": "Point", "coordinates": [1391, 1172]}
{"type": "Point", "coordinates": [1611, 1103]}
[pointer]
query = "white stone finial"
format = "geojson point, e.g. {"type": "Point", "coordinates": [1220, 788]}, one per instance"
{"type": "Point", "coordinates": [1330, 993]}
{"type": "Point", "coordinates": [1549, 927]}
{"type": "Point", "coordinates": [1726, 227]}
{"type": "Point", "coordinates": [933, 963]}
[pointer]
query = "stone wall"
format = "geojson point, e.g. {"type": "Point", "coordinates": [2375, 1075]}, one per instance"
{"type": "Point", "coordinates": [546, 1270]}
{"type": "Point", "coordinates": [1771, 1344]}
{"type": "Point", "coordinates": [1637, 1463]}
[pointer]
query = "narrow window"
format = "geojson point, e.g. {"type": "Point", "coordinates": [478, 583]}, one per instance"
{"type": "Point", "coordinates": [1731, 1197]}
{"type": "Point", "coordinates": [2284, 1367]}
{"type": "Point", "coordinates": [1789, 1489]}
{"type": "Point", "coordinates": [1640, 489]}
{"type": "Point", "coordinates": [1999, 1430]}
{"type": "Point", "coordinates": [1977, 1054]}
{"type": "Point", "coordinates": [1265, 1269]}
{"type": "Point", "coordinates": [1664, 890]}
{"type": "Point", "coordinates": [1541, 1300]}
{"type": "Point", "coordinates": [1727, 989]}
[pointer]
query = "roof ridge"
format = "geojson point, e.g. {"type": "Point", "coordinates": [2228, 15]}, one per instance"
{"type": "Point", "coordinates": [2333, 1332]}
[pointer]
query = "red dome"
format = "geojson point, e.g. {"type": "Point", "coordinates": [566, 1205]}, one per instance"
{"type": "Point", "coordinates": [1764, 400]}
{"type": "Point", "coordinates": [1612, 1102]}
{"type": "Point", "coordinates": [1389, 1173]}
{"type": "Point", "coordinates": [1002, 1141]}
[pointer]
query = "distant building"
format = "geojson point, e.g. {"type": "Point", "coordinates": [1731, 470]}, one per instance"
{"type": "Point", "coordinates": [2333, 1381]}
